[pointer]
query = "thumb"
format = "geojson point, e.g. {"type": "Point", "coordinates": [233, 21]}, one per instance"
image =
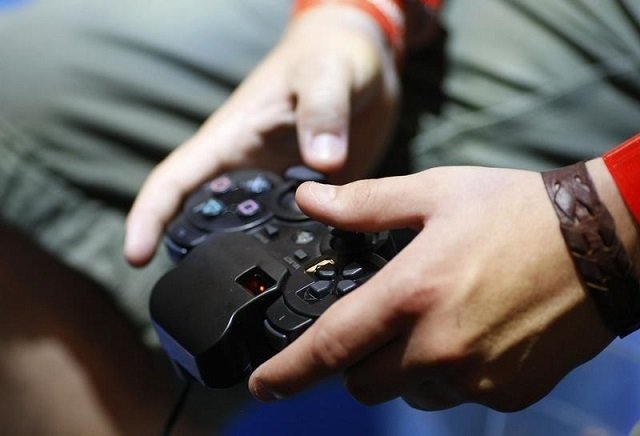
{"type": "Point", "coordinates": [323, 91]}
{"type": "Point", "coordinates": [366, 205]}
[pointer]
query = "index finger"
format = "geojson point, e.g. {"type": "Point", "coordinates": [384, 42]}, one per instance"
{"type": "Point", "coordinates": [354, 327]}
{"type": "Point", "coordinates": [160, 198]}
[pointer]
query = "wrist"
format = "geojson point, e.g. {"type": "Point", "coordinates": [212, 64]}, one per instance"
{"type": "Point", "coordinates": [333, 25]}
{"type": "Point", "coordinates": [403, 23]}
{"type": "Point", "coordinates": [331, 17]}
{"type": "Point", "coordinates": [388, 15]}
{"type": "Point", "coordinates": [601, 240]}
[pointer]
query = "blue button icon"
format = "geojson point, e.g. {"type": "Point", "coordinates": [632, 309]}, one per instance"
{"type": "Point", "coordinates": [210, 208]}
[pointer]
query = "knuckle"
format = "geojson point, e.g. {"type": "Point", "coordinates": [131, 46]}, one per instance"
{"type": "Point", "coordinates": [360, 389]}
{"type": "Point", "coordinates": [412, 299]}
{"type": "Point", "coordinates": [502, 395]}
{"type": "Point", "coordinates": [326, 351]}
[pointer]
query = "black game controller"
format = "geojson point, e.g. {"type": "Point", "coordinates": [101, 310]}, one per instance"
{"type": "Point", "coordinates": [253, 272]}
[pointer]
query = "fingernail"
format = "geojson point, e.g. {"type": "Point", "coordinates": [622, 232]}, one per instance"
{"type": "Point", "coordinates": [328, 147]}
{"type": "Point", "coordinates": [262, 393]}
{"type": "Point", "coordinates": [132, 238]}
{"type": "Point", "coordinates": [322, 193]}
{"type": "Point", "coordinates": [136, 243]}
{"type": "Point", "coordinates": [131, 243]}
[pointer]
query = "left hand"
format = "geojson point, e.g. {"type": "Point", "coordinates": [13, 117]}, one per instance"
{"type": "Point", "coordinates": [325, 95]}
{"type": "Point", "coordinates": [483, 306]}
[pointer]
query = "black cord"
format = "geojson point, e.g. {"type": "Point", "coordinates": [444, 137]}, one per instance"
{"type": "Point", "coordinates": [175, 413]}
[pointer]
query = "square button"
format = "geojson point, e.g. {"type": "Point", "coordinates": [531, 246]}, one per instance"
{"type": "Point", "coordinates": [248, 208]}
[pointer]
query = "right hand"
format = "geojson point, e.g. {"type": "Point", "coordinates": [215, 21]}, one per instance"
{"type": "Point", "coordinates": [326, 95]}
{"type": "Point", "coordinates": [483, 306]}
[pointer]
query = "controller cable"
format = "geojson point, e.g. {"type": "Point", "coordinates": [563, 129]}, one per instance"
{"type": "Point", "coordinates": [177, 409]}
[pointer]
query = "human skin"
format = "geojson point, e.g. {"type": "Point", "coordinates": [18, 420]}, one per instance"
{"type": "Point", "coordinates": [483, 306]}
{"type": "Point", "coordinates": [326, 95]}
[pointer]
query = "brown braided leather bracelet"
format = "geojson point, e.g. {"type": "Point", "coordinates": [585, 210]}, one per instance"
{"type": "Point", "coordinates": [598, 255]}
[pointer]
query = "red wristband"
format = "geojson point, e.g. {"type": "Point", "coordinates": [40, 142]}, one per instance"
{"type": "Point", "coordinates": [623, 163]}
{"type": "Point", "coordinates": [388, 14]}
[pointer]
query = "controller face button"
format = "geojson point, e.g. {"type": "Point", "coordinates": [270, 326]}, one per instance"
{"type": "Point", "coordinates": [248, 208]}
{"type": "Point", "coordinates": [210, 208]}
{"type": "Point", "coordinates": [300, 254]}
{"type": "Point", "coordinates": [257, 185]}
{"type": "Point", "coordinates": [353, 271]}
{"type": "Point", "coordinates": [320, 289]}
{"type": "Point", "coordinates": [345, 286]}
{"type": "Point", "coordinates": [220, 185]}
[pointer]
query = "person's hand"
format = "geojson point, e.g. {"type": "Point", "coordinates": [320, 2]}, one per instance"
{"type": "Point", "coordinates": [326, 95]}
{"type": "Point", "coordinates": [483, 306]}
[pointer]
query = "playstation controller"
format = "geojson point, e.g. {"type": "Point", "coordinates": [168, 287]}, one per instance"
{"type": "Point", "coordinates": [252, 273]}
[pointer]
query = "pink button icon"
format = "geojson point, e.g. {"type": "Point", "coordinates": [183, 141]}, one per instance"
{"type": "Point", "coordinates": [220, 185]}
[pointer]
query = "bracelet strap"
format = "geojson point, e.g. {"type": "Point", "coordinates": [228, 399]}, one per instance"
{"type": "Point", "coordinates": [599, 257]}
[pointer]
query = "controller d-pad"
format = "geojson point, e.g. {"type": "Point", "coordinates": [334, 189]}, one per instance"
{"type": "Point", "coordinates": [353, 271]}
{"type": "Point", "coordinates": [345, 286]}
{"type": "Point", "coordinates": [320, 289]}
{"type": "Point", "coordinates": [326, 272]}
